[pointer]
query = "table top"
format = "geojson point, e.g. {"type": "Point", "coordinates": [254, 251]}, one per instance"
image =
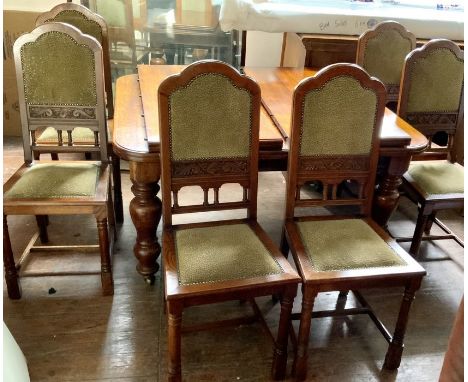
{"type": "Point", "coordinates": [136, 118]}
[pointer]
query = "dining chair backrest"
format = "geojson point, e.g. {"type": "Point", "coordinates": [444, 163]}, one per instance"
{"type": "Point", "coordinates": [431, 98]}
{"type": "Point", "coordinates": [336, 121]}
{"type": "Point", "coordinates": [209, 131]}
{"type": "Point", "coordinates": [381, 51]}
{"type": "Point", "coordinates": [89, 23]}
{"type": "Point", "coordinates": [60, 85]}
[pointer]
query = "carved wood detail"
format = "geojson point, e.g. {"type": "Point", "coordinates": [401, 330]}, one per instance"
{"type": "Point", "coordinates": [210, 167]}
{"type": "Point", "coordinates": [353, 163]}
{"type": "Point", "coordinates": [68, 112]}
{"type": "Point", "coordinates": [432, 118]}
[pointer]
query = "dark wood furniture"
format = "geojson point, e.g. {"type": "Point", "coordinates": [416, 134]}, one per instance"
{"type": "Point", "coordinates": [336, 141]}
{"type": "Point", "coordinates": [381, 51]}
{"type": "Point", "coordinates": [94, 25]}
{"type": "Point", "coordinates": [432, 101]}
{"type": "Point", "coordinates": [209, 131]}
{"type": "Point", "coordinates": [136, 139]}
{"type": "Point", "coordinates": [326, 49]}
{"type": "Point", "coordinates": [53, 95]}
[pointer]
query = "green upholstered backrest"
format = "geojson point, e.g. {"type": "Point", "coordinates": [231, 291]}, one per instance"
{"type": "Point", "coordinates": [80, 21]}
{"type": "Point", "coordinates": [58, 71]}
{"type": "Point", "coordinates": [435, 82]}
{"type": "Point", "coordinates": [210, 118]}
{"type": "Point", "coordinates": [384, 55]}
{"type": "Point", "coordinates": [338, 119]}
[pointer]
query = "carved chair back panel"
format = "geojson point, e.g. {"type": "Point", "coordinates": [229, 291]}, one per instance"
{"type": "Point", "coordinates": [60, 85]}
{"type": "Point", "coordinates": [336, 122]}
{"type": "Point", "coordinates": [432, 89]}
{"type": "Point", "coordinates": [209, 122]}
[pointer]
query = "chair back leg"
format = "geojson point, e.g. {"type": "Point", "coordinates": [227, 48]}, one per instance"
{"type": "Point", "coordinates": [106, 268]}
{"type": "Point", "coordinates": [11, 274]}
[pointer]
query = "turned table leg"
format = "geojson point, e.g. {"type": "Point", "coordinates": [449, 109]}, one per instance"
{"type": "Point", "coordinates": [387, 195]}
{"type": "Point", "coordinates": [145, 211]}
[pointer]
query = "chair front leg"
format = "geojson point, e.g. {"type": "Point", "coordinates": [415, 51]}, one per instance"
{"type": "Point", "coordinates": [11, 275]}
{"type": "Point", "coordinates": [174, 333]}
{"type": "Point", "coordinates": [280, 355]}
{"type": "Point", "coordinates": [106, 267]}
{"type": "Point", "coordinates": [300, 361]}
{"type": "Point", "coordinates": [395, 349]}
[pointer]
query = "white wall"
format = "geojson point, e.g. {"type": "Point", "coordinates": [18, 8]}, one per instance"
{"type": "Point", "coordinates": [263, 49]}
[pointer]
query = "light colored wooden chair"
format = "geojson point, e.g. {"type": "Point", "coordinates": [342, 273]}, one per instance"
{"type": "Point", "coordinates": [381, 51]}
{"type": "Point", "coordinates": [60, 84]}
{"type": "Point", "coordinates": [431, 100]}
{"type": "Point", "coordinates": [94, 25]}
{"type": "Point", "coordinates": [336, 121]}
{"type": "Point", "coordinates": [209, 127]}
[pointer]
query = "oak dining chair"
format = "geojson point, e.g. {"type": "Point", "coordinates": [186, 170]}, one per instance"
{"type": "Point", "coordinates": [209, 131]}
{"type": "Point", "coordinates": [381, 51]}
{"type": "Point", "coordinates": [60, 84]}
{"type": "Point", "coordinates": [336, 121]}
{"type": "Point", "coordinates": [94, 25]}
{"type": "Point", "coordinates": [431, 100]}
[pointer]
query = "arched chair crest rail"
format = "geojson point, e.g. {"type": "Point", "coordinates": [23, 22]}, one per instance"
{"type": "Point", "coordinates": [60, 84]}
{"type": "Point", "coordinates": [209, 130]}
{"type": "Point", "coordinates": [94, 25]}
{"type": "Point", "coordinates": [381, 51]}
{"type": "Point", "coordinates": [336, 121]}
{"type": "Point", "coordinates": [431, 100]}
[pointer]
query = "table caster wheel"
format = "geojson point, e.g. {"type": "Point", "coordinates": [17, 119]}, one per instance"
{"type": "Point", "coordinates": [150, 279]}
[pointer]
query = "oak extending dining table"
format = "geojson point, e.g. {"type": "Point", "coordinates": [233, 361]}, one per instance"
{"type": "Point", "coordinates": [136, 139]}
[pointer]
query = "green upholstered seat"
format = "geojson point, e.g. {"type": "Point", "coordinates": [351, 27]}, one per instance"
{"type": "Point", "coordinates": [80, 135]}
{"type": "Point", "coordinates": [334, 245]}
{"type": "Point", "coordinates": [438, 177]}
{"type": "Point", "coordinates": [221, 253]}
{"type": "Point", "coordinates": [60, 180]}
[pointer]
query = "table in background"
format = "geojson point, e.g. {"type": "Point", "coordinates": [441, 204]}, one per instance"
{"type": "Point", "coordinates": [136, 139]}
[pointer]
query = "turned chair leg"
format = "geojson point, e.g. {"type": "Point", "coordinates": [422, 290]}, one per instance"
{"type": "Point", "coordinates": [174, 333]}
{"type": "Point", "coordinates": [395, 349]}
{"type": "Point", "coordinates": [42, 223]}
{"type": "Point", "coordinates": [11, 275]}
{"type": "Point", "coordinates": [280, 355]}
{"type": "Point", "coordinates": [119, 215]}
{"type": "Point", "coordinates": [106, 267]}
{"type": "Point", "coordinates": [300, 360]}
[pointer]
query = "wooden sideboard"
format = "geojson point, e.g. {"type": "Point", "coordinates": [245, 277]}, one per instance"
{"type": "Point", "coordinates": [326, 49]}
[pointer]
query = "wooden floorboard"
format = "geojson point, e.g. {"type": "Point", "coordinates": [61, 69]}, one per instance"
{"type": "Point", "coordinates": [76, 334]}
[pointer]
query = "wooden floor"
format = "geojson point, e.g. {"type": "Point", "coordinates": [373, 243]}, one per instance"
{"type": "Point", "coordinates": [75, 334]}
